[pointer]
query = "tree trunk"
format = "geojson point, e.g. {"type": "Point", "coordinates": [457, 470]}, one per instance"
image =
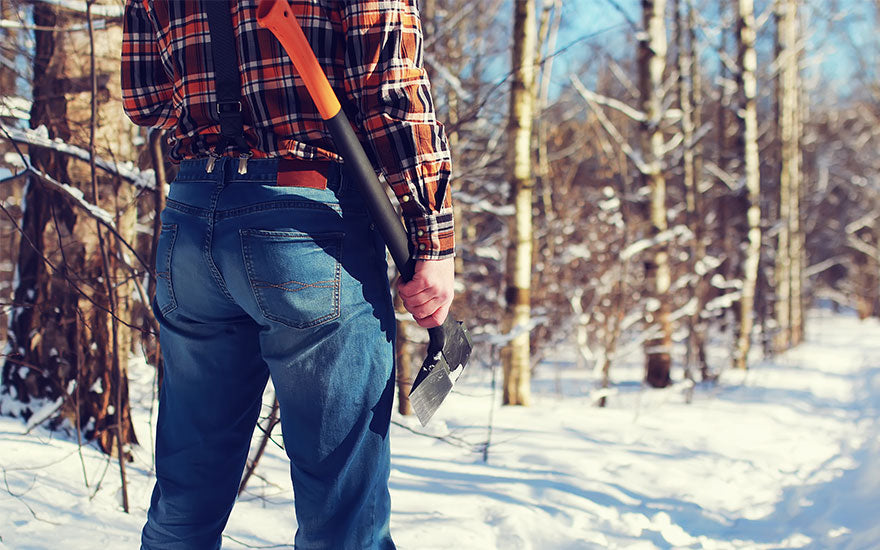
{"type": "Point", "coordinates": [747, 81]}
{"type": "Point", "coordinates": [787, 312]}
{"type": "Point", "coordinates": [61, 338]}
{"type": "Point", "coordinates": [797, 240]}
{"type": "Point", "coordinates": [686, 61]}
{"type": "Point", "coordinates": [519, 264]}
{"type": "Point", "coordinates": [651, 64]}
{"type": "Point", "coordinates": [697, 346]}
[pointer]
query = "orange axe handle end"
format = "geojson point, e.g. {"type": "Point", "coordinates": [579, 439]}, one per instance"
{"type": "Point", "coordinates": [276, 16]}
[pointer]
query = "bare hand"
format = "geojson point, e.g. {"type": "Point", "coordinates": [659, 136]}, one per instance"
{"type": "Point", "coordinates": [429, 294]}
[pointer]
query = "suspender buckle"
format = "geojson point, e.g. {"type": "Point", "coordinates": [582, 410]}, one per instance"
{"type": "Point", "coordinates": [228, 107]}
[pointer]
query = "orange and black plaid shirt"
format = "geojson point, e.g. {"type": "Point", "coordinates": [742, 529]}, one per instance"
{"type": "Point", "coordinates": [371, 51]}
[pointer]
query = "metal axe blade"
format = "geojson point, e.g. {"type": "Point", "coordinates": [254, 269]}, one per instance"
{"type": "Point", "coordinates": [433, 382]}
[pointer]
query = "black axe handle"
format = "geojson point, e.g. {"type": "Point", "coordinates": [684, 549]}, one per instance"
{"type": "Point", "coordinates": [278, 18]}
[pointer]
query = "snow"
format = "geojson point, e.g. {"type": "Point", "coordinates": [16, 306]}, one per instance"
{"type": "Point", "coordinates": [786, 455]}
{"type": "Point", "coordinates": [14, 107]}
{"type": "Point", "coordinates": [40, 136]}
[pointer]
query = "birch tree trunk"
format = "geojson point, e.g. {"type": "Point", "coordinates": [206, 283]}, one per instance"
{"type": "Point", "coordinates": [698, 347]}
{"type": "Point", "coordinates": [686, 70]}
{"type": "Point", "coordinates": [519, 263]}
{"type": "Point", "coordinates": [797, 240]}
{"type": "Point", "coordinates": [787, 305]}
{"type": "Point", "coordinates": [60, 338]}
{"type": "Point", "coordinates": [651, 65]}
{"type": "Point", "coordinates": [747, 83]}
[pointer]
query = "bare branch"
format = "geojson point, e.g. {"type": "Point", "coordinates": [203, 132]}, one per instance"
{"type": "Point", "coordinates": [140, 178]}
{"type": "Point", "coordinates": [609, 127]}
{"type": "Point", "coordinates": [857, 244]}
{"type": "Point", "coordinates": [621, 76]}
{"type": "Point", "coordinates": [447, 75]}
{"type": "Point", "coordinates": [617, 7]}
{"type": "Point", "coordinates": [671, 145]}
{"type": "Point", "coordinates": [723, 175]}
{"type": "Point", "coordinates": [620, 106]}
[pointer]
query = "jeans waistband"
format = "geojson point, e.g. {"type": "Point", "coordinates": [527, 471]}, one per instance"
{"type": "Point", "coordinates": [258, 170]}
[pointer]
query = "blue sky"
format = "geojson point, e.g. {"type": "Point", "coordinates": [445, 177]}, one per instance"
{"type": "Point", "coordinates": [832, 43]}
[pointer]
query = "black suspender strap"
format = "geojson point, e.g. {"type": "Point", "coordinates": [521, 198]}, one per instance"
{"type": "Point", "coordinates": [227, 80]}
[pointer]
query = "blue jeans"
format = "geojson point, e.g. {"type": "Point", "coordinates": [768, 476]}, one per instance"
{"type": "Point", "coordinates": [258, 280]}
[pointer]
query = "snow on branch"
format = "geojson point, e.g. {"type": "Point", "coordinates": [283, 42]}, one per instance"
{"type": "Point", "coordinates": [113, 11]}
{"type": "Point", "coordinates": [609, 127]}
{"type": "Point", "coordinates": [476, 204]}
{"type": "Point", "coordinates": [723, 175]}
{"type": "Point", "coordinates": [39, 138]}
{"type": "Point", "coordinates": [662, 237]}
{"type": "Point", "coordinates": [76, 196]}
{"type": "Point", "coordinates": [857, 244]}
{"type": "Point", "coordinates": [635, 114]}
{"type": "Point", "coordinates": [672, 144]}
{"type": "Point", "coordinates": [865, 221]}
{"type": "Point", "coordinates": [15, 107]}
{"type": "Point", "coordinates": [9, 24]}
{"type": "Point", "coordinates": [725, 301]}
{"type": "Point", "coordinates": [817, 268]}
{"type": "Point", "coordinates": [507, 337]}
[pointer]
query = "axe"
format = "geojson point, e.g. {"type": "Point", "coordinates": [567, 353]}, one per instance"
{"type": "Point", "coordinates": [450, 345]}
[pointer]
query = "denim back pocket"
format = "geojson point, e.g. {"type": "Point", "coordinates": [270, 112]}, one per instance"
{"type": "Point", "coordinates": [294, 276]}
{"type": "Point", "coordinates": [164, 285]}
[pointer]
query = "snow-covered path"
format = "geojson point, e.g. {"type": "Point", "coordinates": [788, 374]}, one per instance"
{"type": "Point", "coordinates": [784, 456]}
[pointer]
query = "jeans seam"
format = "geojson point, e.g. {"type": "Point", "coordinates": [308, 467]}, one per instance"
{"type": "Point", "coordinates": [186, 209]}
{"type": "Point", "coordinates": [275, 205]}
{"type": "Point", "coordinates": [166, 274]}
{"type": "Point", "coordinates": [209, 234]}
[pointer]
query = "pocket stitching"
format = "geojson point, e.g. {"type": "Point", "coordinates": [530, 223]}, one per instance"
{"type": "Point", "coordinates": [334, 284]}
{"type": "Point", "coordinates": [165, 275]}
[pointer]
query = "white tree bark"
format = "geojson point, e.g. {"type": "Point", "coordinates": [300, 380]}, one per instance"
{"type": "Point", "coordinates": [651, 66]}
{"type": "Point", "coordinates": [787, 276]}
{"type": "Point", "coordinates": [747, 64]}
{"type": "Point", "coordinates": [516, 357]}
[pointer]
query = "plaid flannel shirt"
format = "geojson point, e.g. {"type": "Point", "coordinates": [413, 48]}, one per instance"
{"type": "Point", "coordinates": [371, 51]}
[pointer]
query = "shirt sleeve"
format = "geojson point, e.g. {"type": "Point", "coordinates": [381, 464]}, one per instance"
{"type": "Point", "coordinates": [386, 81]}
{"type": "Point", "coordinates": [146, 86]}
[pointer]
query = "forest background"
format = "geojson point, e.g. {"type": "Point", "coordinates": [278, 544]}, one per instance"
{"type": "Point", "coordinates": [631, 178]}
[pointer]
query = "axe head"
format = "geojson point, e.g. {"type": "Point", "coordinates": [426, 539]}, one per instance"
{"type": "Point", "coordinates": [446, 355]}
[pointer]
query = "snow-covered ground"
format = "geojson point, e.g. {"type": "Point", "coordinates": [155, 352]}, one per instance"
{"type": "Point", "coordinates": [784, 456]}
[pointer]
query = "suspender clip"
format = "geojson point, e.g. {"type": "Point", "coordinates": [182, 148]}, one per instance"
{"type": "Point", "coordinates": [209, 168]}
{"type": "Point", "coordinates": [242, 162]}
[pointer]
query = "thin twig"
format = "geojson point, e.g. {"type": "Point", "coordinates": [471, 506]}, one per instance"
{"type": "Point", "coordinates": [449, 438]}
{"type": "Point", "coordinates": [108, 273]}
{"type": "Point", "coordinates": [609, 127]}
{"type": "Point", "coordinates": [235, 540]}
{"type": "Point", "coordinates": [26, 505]}
{"type": "Point", "coordinates": [271, 423]}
